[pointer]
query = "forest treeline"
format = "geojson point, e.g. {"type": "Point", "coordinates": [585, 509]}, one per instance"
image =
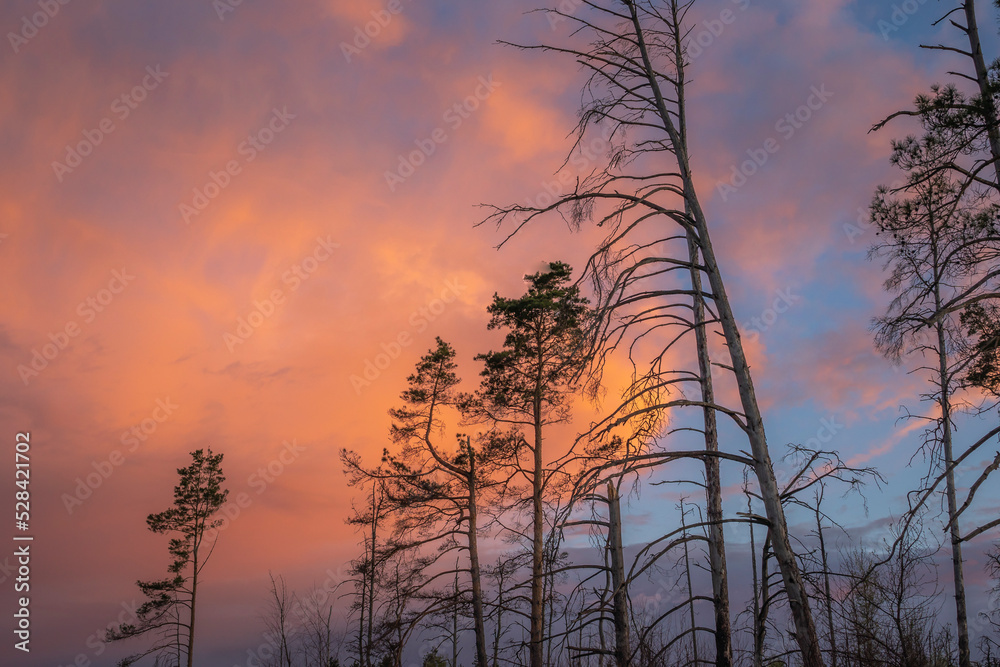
{"type": "Point", "coordinates": [495, 530]}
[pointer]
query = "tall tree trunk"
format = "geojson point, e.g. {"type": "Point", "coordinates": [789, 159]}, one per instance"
{"type": "Point", "coordinates": [620, 605]}
{"type": "Point", "coordinates": [687, 573]}
{"type": "Point", "coordinates": [178, 643]}
{"type": "Point", "coordinates": [798, 602]}
{"type": "Point", "coordinates": [760, 623]}
{"type": "Point", "coordinates": [194, 595]}
{"type": "Point", "coordinates": [482, 660]}
{"type": "Point", "coordinates": [758, 648]}
{"type": "Point", "coordinates": [713, 483]}
{"type": "Point", "coordinates": [964, 656]}
{"type": "Point", "coordinates": [454, 622]}
{"type": "Point", "coordinates": [826, 584]}
{"type": "Point", "coordinates": [944, 400]}
{"type": "Point", "coordinates": [363, 607]}
{"type": "Point", "coordinates": [549, 606]}
{"type": "Point", "coordinates": [805, 629]}
{"type": "Point", "coordinates": [537, 545]}
{"type": "Point", "coordinates": [982, 78]}
{"type": "Point", "coordinates": [371, 579]}
{"type": "Point", "coordinates": [498, 631]}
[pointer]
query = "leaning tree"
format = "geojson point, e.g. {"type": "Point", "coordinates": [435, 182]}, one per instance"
{"type": "Point", "coordinates": [168, 614]}
{"type": "Point", "coordinates": [657, 232]}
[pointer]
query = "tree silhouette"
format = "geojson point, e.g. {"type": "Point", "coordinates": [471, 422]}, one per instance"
{"type": "Point", "coordinates": [525, 387]}
{"type": "Point", "coordinates": [169, 611]}
{"type": "Point", "coordinates": [643, 195]}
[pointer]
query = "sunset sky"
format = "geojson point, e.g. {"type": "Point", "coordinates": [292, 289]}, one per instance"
{"type": "Point", "coordinates": [208, 237]}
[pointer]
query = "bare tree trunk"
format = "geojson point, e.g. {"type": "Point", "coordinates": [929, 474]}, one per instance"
{"type": "Point", "coordinates": [760, 623]}
{"type": "Point", "coordinates": [498, 632]}
{"type": "Point", "coordinates": [964, 657]}
{"type": "Point", "coordinates": [687, 573]}
{"type": "Point", "coordinates": [982, 78]}
{"type": "Point", "coordinates": [826, 582]}
{"type": "Point", "coordinates": [713, 484]}
{"type": "Point", "coordinates": [177, 638]}
{"type": "Point", "coordinates": [454, 622]}
{"type": "Point", "coordinates": [482, 660]}
{"type": "Point", "coordinates": [537, 545]}
{"type": "Point", "coordinates": [371, 579]}
{"type": "Point", "coordinates": [944, 399]}
{"type": "Point", "coordinates": [758, 648]}
{"type": "Point", "coordinates": [277, 621]}
{"type": "Point", "coordinates": [620, 608]}
{"type": "Point", "coordinates": [194, 594]}
{"type": "Point", "coordinates": [603, 641]}
{"type": "Point", "coordinates": [363, 608]}
{"type": "Point", "coordinates": [805, 629]}
{"type": "Point", "coordinates": [549, 596]}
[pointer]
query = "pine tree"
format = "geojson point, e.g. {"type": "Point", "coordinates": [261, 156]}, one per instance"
{"type": "Point", "coordinates": [169, 611]}
{"type": "Point", "coordinates": [526, 386]}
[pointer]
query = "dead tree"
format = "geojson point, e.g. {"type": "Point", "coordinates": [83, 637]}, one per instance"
{"type": "Point", "coordinates": [638, 76]}
{"type": "Point", "coordinates": [608, 603]}
{"type": "Point", "coordinates": [278, 619]}
{"type": "Point", "coordinates": [888, 616]}
{"type": "Point", "coordinates": [501, 574]}
{"type": "Point", "coordinates": [623, 650]}
{"type": "Point", "coordinates": [690, 587]}
{"type": "Point", "coordinates": [713, 484]}
{"type": "Point", "coordinates": [825, 572]}
{"type": "Point", "coordinates": [320, 639]}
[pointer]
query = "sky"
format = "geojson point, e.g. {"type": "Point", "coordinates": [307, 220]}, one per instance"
{"type": "Point", "coordinates": [237, 225]}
